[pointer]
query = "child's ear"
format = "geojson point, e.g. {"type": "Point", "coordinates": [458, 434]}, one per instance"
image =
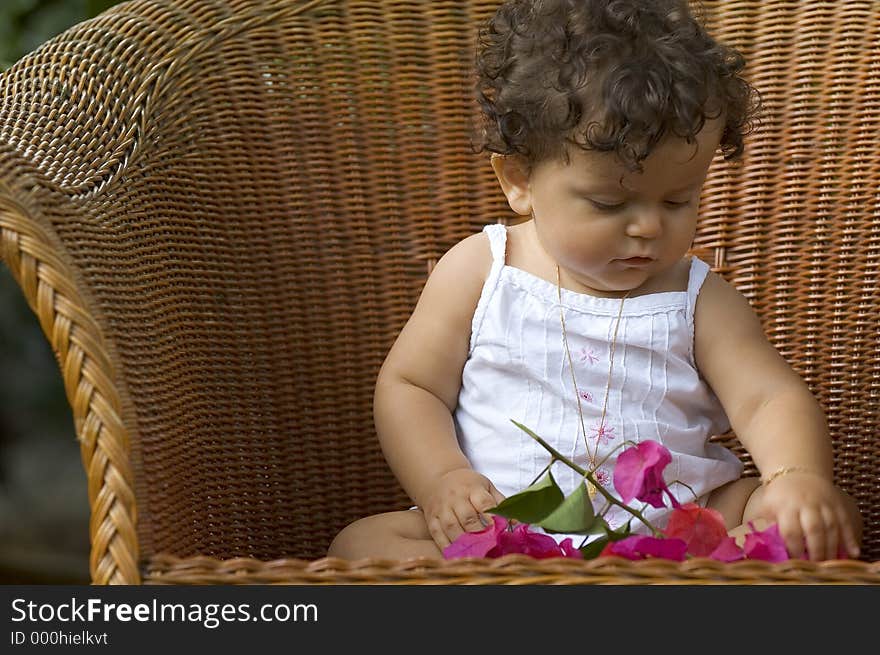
{"type": "Point", "coordinates": [512, 172]}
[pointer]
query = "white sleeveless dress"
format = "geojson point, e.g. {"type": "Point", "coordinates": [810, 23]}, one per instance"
{"type": "Point", "coordinates": [517, 369]}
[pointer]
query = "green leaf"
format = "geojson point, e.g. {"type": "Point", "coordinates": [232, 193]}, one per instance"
{"type": "Point", "coordinates": [592, 549]}
{"type": "Point", "coordinates": [533, 503]}
{"type": "Point", "coordinates": [573, 515]}
{"type": "Point", "coordinates": [621, 533]}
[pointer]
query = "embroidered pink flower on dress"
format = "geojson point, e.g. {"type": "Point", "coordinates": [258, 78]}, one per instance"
{"type": "Point", "coordinates": [602, 476]}
{"type": "Point", "coordinates": [639, 474]}
{"type": "Point", "coordinates": [589, 355]}
{"type": "Point", "coordinates": [586, 395]}
{"type": "Point", "coordinates": [603, 434]}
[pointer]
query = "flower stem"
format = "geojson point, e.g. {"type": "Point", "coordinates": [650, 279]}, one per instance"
{"type": "Point", "coordinates": [589, 476]}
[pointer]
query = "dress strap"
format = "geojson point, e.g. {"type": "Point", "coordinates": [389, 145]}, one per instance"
{"type": "Point", "coordinates": [699, 271]}
{"type": "Point", "coordinates": [497, 234]}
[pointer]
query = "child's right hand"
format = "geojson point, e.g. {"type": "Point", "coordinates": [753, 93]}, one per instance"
{"type": "Point", "coordinates": [456, 504]}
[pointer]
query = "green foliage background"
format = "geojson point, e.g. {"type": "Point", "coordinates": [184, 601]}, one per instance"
{"type": "Point", "coordinates": [25, 24]}
{"type": "Point", "coordinates": [43, 501]}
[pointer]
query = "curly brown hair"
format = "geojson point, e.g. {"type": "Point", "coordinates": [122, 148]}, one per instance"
{"type": "Point", "coordinates": [606, 75]}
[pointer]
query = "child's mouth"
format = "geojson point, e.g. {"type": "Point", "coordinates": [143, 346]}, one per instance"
{"type": "Point", "coordinates": [636, 261]}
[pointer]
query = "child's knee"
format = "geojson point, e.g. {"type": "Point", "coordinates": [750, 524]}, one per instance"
{"type": "Point", "coordinates": [350, 540]}
{"type": "Point", "coordinates": [376, 536]}
{"type": "Point", "coordinates": [736, 500]}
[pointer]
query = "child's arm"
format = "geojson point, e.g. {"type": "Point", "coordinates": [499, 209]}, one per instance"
{"type": "Point", "coordinates": [776, 418]}
{"type": "Point", "coordinates": [417, 392]}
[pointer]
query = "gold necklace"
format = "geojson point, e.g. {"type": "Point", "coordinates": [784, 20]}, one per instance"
{"type": "Point", "coordinates": [591, 490]}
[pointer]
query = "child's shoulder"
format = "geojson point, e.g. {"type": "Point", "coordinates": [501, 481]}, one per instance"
{"type": "Point", "coordinates": [472, 252]}
{"type": "Point", "coordinates": [722, 308]}
{"type": "Point", "coordinates": [518, 248]}
{"type": "Point", "coordinates": [716, 289]}
{"type": "Point", "coordinates": [454, 286]}
{"type": "Point", "coordinates": [466, 264]}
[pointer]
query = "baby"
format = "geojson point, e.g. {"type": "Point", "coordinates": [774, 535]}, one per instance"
{"type": "Point", "coordinates": [587, 321]}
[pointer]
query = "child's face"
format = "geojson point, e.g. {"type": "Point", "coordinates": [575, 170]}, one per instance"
{"type": "Point", "coordinates": [611, 230]}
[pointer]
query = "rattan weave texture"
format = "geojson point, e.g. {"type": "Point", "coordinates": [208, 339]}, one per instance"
{"type": "Point", "coordinates": [222, 212]}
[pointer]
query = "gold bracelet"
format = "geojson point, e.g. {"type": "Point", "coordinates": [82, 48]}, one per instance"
{"type": "Point", "coordinates": [783, 470]}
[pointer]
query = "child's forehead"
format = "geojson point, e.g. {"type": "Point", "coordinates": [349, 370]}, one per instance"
{"type": "Point", "coordinates": [683, 155]}
{"type": "Point", "coordinates": [664, 169]}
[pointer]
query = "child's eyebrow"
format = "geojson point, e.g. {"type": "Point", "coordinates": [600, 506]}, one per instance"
{"type": "Point", "coordinates": [604, 186]}
{"type": "Point", "coordinates": [689, 187]}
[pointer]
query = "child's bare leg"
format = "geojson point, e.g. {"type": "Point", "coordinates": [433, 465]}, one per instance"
{"type": "Point", "coordinates": [393, 535]}
{"type": "Point", "coordinates": [733, 499]}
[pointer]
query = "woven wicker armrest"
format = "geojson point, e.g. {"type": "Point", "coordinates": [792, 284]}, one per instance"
{"type": "Point", "coordinates": [222, 213]}
{"type": "Point", "coordinates": [510, 569]}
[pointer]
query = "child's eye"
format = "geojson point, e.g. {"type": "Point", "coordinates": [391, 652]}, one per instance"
{"type": "Point", "coordinates": [675, 204]}
{"type": "Point", "coordinates": [606, 207]}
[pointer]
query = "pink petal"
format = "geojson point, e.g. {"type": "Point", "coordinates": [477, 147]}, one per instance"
{"type": "Point", "coordinates": [652, 488]}
{"type": "Point", "coordinates": [727, 551]}
{"type": "Point", "coordinates": [524, 540]}
{"type": "Point", "coordinates": [702, 528]}
{"type": "Point", "coordinates": [766, 545]}
{"type": "Point", "coordinates": [568, 549]}
{"type": "Point", "coordinates": [641, 547]}
{"type": "Point", "coordinates": [477, 544]}
{"type": "Point", "coordinates": [638, 472]}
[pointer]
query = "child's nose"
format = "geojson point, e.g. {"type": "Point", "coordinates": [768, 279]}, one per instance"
{"type": "Point", "coordinates": [645, 223]}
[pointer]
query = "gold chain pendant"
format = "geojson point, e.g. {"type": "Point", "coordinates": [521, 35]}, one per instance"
{"type": "Point", "coordinates": [591, 490]}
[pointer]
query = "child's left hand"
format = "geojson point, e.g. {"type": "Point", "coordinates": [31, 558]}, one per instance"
{"type": "Point", "coordinates": [813, 515]}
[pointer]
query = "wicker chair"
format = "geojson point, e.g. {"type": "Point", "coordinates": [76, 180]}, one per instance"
{"type": "Point", "coordinates": [222, 212]}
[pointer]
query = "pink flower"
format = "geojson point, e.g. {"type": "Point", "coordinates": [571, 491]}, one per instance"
{"type": "Point", "coordinates": [701, 528]}
{"type": "Point", "coordinates": [476, 544]}
{"type": "Point", "coordinates": [522, 540]}
{"type": "Point", "coordinates": [637, 546]}
{"type": "Point", "coordinates": [568, 549]}
{"type": "Point", "coordinates": [766, 545]}
{"type": "Point", "coordinates": [727, 551]}
{"type": "Point", "coordinates": [639, 474]}
{"type": "Point", "coordinates": [498, 540]}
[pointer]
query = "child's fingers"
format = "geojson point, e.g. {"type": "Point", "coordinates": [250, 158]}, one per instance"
{"type": "Point", "coordinates": [468, 517]}
{"type": "Point", "coordinates": [813, 526]}
{"type": "Point", "coordinates": [439, 537]}
{"type": "Point", "coordinates": [482, 501]}
{"type": "Point", "coordinates": [792, 533]}
{"type": "Point", "coordinates": [444, 528]}
{"type": "Point", "coordinates": [493, 493]}
{"type": "Point", "coordinates": [831, 533]}
{"type": "Point", "coordinates": [848, 534]}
